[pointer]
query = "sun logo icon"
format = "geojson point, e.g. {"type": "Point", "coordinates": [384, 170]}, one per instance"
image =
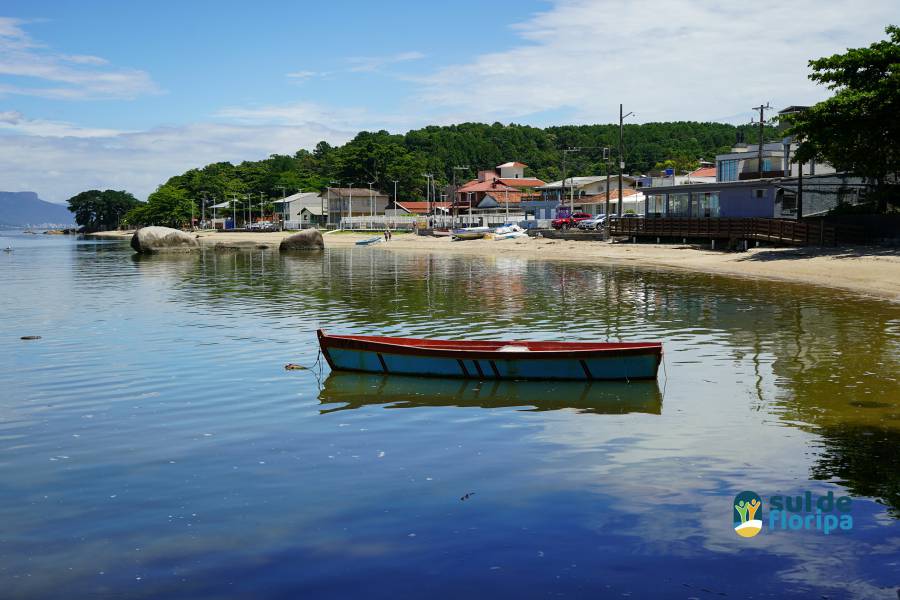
{"type": "Point", "coordinates": [747, 515]}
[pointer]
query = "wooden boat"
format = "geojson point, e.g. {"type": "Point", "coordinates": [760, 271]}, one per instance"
{"type": "Point", "coordinates": [369, 241]}
{"type": "Point", "coordinates": [460, 236]}
{"type": "Point", "coordinates": [492, 359]}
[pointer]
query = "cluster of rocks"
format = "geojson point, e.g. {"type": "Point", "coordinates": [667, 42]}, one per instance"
{"type": "Point", "coordinates": [152, 240]}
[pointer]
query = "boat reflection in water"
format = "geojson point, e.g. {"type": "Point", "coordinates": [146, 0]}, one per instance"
{"type": "Point", "coordinates": [355, 390]}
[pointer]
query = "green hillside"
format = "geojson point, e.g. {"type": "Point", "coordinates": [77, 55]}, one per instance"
{"type": "Point", "coordinates": [383, 158]}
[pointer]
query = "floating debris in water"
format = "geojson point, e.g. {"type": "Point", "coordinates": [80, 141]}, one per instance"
{"type": "Point", "coordinates": [30, 337]}
{"type": "Point", "coordinates": [295, 367]}
{"type": "Point", "coordinates": [467, 496]}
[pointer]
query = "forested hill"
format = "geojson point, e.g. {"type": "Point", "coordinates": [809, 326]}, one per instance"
{"type": "Point", "coordinates": [383, 158]}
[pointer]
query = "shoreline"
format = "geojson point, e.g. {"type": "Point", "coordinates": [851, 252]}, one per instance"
{"type": "Point", "coordinates": [867, 271]}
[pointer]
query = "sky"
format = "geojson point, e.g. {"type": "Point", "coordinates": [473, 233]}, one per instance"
{"type": "Point", "coordinates": [123, 95]}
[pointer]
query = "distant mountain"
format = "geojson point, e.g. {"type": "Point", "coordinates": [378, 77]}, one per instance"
{"type": "Point", "coordinates": [23, 209]}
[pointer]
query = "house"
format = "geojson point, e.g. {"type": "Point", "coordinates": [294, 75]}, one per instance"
{"type": "Point", "coordinates": [742, 162]}
{"type": "Point", "coordinates": [580, 188]}
{"type": "Point", "coordinates": [361, 202]}
{"type": "Point", "coordinates": [768, 198]}
{"type": "Point", "coordinates": [632, 202]}
{"type": "Point", "coordinates": [289, 210]}
{"type": "Point", "coordinates": [496, 188]}
{"type": "Point", "coordinates": [312, 216]}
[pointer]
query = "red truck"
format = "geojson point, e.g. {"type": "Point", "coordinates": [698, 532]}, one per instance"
{"type": "Point", "coordinates": [567, 222]}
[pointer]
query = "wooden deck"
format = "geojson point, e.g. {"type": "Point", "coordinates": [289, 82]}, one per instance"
{"type": "Point", "coordinates": [779, 231]}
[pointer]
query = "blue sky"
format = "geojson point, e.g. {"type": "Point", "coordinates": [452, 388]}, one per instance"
{"type": "Point", "coordinates": [125, 94]}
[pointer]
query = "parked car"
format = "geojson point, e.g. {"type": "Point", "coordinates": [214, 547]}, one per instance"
{"type": "Point", "coordinates": [567, 222]}
{"type": "Point", "coordinates": [593, 223]}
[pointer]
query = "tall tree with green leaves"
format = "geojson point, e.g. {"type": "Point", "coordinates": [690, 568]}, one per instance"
{"type": "Point", "coordinates": [98, 211]}
{"type": "Point", "coordinates": [858, 128]}
{"type": "Point", "coordinates": [168, 205]}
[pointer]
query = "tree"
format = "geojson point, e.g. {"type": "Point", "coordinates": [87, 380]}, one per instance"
{"type": "Point", "coordinates": [97, 211]}
{"type": "Point", "coordinates": [857, 129]}
{"type": "Point", "coordinates": [168, 205]}
{"type": "Point", "coordinates": [383, 158]}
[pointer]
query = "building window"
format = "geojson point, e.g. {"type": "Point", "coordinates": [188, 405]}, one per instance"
{"type": "Point", "coordinates": [767, 165]}
{"type": "Point", "coordinates": [656, 204]}
{"type": "Point", "coordinates": [727, 170]}
{"type": "Point", "coordinates": [679, 205]}
{"type": "Point", "coordinates": [706, 205]}
{"type": "Point", "coordinates": [759, 193]}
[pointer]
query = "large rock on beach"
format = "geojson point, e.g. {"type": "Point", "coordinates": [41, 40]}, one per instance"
{"type": "Point", "coordinates": [308, 239]}
{"type": "Point", "coordinates": [150, 240]}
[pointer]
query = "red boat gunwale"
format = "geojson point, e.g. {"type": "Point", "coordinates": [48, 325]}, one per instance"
{"type": "Point", "coordinates": [483, 349]}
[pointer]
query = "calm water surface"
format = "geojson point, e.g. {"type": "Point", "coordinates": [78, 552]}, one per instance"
{"type": "Point", "coordinates": [152, 444]}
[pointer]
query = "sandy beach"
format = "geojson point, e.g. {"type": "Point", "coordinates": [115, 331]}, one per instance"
{"type": "Point", "coordinates": [866, 271]}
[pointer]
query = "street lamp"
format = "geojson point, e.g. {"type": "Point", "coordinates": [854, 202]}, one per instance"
{"type": "Point", "coordinates": [350, 204]}
{"type": "Point", "coordinates": [621, 156]}
{"type": "Point", "coordinates": [455, 203]}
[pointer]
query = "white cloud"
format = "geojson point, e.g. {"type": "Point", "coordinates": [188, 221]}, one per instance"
{"type": "Point", "coordinates": [54, 75]}
{"type": "Point", "coordinates": [665, 60]}
{"type": "Point", "coordinates": [574, 62]}
{"type": "Point", "coordinates": [367, 64]}
{"type": "Point", "coordinates": [59, 167]}
{"type": "Point", "coordinates": [303, 113]}
{"type": "Point", "coordinates": [301, 75]}
{"type": "Point", "coordinates": [15, 121]}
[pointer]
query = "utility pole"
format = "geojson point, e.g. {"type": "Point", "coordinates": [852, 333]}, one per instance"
{"type": "Point", "coordinates": [350, 206]}
{"type": "Point", "coordinates": [606, 156]}
{"type": "Point", "coordinates": [283, 189]}
{"type": "Point", "coordinates": [621, 156]}
{"type": "Point", "coordinates": [507, 205]}
{"type": "Point", "coordinates": [762, 124]}
{"type": "Point", "coordinates": [428, 183]}
{"type": "Point", "coordinates": [455, 205]}
{"type": "Point", "coordinates": [328, 200]}
{"type": "Point", "coordinates": [371, 202]}
{"type": "Point", "coordinates": [562, 199]}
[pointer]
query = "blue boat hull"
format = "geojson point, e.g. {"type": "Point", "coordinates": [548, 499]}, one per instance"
{"type": "Point", "coordinates": [638, 366]}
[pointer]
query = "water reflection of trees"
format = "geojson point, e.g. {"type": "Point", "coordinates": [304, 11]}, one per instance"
{"type": "Point", "coordinates": [822, 361]}
{"type": "Point", "coordinates": [864, 459]}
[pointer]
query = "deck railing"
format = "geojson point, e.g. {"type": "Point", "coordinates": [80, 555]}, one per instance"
{"type": "Point", "coordinates": [795, 233]}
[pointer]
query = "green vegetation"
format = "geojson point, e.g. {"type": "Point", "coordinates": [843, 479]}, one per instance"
{"type": "Point", "coordinates": [168, 205]}
{"type": "Point", "coordinates": [857, 129]}
{"type": "Point", "coordinates": [96, 211]}
{"type": "Point", "coordinates": [383, 158]}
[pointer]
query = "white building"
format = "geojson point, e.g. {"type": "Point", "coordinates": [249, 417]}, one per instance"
{"type": "Point", "coordinates": [290, 210]}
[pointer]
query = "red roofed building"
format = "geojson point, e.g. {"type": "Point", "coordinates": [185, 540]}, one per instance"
{"type": "Point", "coordinates": [423, 208]}
{"type": "Point", "coordinates": [495, 187]}
{"type": "Point", "coordinates": [703, 172]}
